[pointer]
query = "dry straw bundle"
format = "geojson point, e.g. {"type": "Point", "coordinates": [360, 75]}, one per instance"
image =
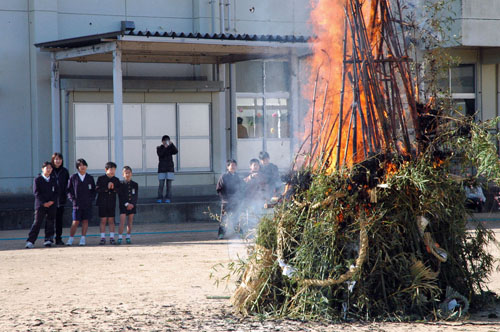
{"type": "Point", "coordinates": [369, 243]}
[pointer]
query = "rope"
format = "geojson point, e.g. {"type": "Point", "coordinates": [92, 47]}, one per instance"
{"type": "Point", "coordinates": [363, 252]}
{"type": "Point", "coordinates": [439, 253]}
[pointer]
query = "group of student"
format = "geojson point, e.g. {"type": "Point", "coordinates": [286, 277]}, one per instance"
{"type": "Point", "coordinates": [248, 194]}
{"type": "Point", "coordinates": [54, 186]}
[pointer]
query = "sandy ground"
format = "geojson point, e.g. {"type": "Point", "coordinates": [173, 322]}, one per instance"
{"type": "Point", "coordinates": [159, 283]}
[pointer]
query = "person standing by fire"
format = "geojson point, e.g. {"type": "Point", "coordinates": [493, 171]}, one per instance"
{"type": "Point", "coordinates": [271, 175]}
{"type": "Point", "coordinates": [229, 188]}
{"type": "Point", "coordinates": [474, 195]}
{"type": "Point", "coordinates": [255, 195]}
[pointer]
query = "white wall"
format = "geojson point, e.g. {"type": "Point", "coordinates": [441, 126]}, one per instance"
{"type": "Point", "coordinates": [25, 99]}
{"type": "Point", "coordinates": [480, 22]}
{"type": "Point", "coordinates": [15, 108]}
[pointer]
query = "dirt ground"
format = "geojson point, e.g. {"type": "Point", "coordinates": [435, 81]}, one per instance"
{"type": "Point", "coordinates": [159, 283]}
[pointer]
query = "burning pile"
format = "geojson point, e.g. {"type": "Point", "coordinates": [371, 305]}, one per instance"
{"type": "Point", "coordinates": [373, 225]}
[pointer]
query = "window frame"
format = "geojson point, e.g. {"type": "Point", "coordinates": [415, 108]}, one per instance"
{"type": "Point", "coordinates": [144, 138]}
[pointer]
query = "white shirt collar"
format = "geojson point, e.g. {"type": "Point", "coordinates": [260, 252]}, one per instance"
{"type": "Point", "coordinates": [81, 176]}
{"type": "Point", "coordinates": [46, 178]}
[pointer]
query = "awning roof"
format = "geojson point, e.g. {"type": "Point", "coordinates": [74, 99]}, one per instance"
{"type": "Point", "coordinates": [174, 47]}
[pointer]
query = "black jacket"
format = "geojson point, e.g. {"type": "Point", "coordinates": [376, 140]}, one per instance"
{"type": "Point", "coordinates": [166, 162]}
{"type": "Point", "coordinates": [128, 192]}
{"type": "Point", "coordinates": [272, 177]}
{"type": "Point", "coordinates": [44, 191]}
{"type": "Point", "coordinates": [61, 175]}
{"type": "Point", "coordinates": [105, 196]}
{"type": "Point", "coordinates": [81, 194]}
{"type": "Point", "coordinates": [229, 187]}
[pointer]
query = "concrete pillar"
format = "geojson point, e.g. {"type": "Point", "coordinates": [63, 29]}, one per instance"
{"type": "Point", "coordinates": [118, 105]}
{"type": "Point", "coordinates": [56, 105]}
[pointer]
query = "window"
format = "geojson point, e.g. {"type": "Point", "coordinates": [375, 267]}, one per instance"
{"type": "Point", "coordinates": [92, 134]}
{"type": "Point", "coordinates": [460, 81]}
{"type": "Point", "coordinates": [194, 135]}
{"type": "Point", "coordinates": [187, 124]}
{"type": "Point", "coordinates": [262, 112]}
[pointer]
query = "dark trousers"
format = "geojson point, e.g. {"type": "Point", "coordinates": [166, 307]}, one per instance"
{"type": "Point", "coordinates": [169, 189]}
{"type": "Point", "coordinates": [42, 213]}
{"type": "Point", "coordinates": [228, 216]}
{"type": "Point", "coordinates": [59, 222]}
{"type": "Point", "coordinates": [474, 204]}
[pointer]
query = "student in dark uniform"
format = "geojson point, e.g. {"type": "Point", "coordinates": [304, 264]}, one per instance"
{"type": "Point", "coordinates": [165, 151]}
{"type": "Point", "coordinates": [255, 196]}
{"type": "Point", "coordinates": [255, 184]}
{"type": "Point", "coordinates": [81, 192]}
{"type": "Point", "coordinates": [271, 175]}
{"type": "Point", "coordinates": [107, 186]}
{"type": "Point", "coordinates": [229, 188]}
{"type": "Point", "coordinates": [127, 196]}
{"type": "Point", "coordinates": [61, 175]}
{"type": "Point", "coordinates": [45, 191]}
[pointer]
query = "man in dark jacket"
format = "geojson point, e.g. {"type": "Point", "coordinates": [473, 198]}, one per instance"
{"type": "Point", "coordinates": [165, 167]}
{"type": "Point", "coordinates": [46, 192]}
{"type": "Point", "coordinates": [229, 188]}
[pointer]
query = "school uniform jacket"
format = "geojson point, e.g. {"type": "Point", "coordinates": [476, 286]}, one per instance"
{"type": "Point", "coordinates": [81, 194]}
{"type": "Point", "coordinates": [105, 196]}
{"type": "Point", "coordinates": [128, 193]}
{"type": "Point", "coordinates": [229, 187]}
{"type": "Point", "coordinates": [61, 175]}
{"type": "Point", "coordinates": [255, 187]}
{"type": "Point", "coordinates": [271, 175]}
{"type": "Point", "coordinates": [44, 191]}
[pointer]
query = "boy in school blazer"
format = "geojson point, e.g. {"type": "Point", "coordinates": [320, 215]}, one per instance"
{"type": "Point", "coordinates": [127, 195]}
{"type": "Point", "coordinates": [46, 192]}
{"type": "Point", "coordinates": [81, 192]}
{"type": "Point", "coordinates": [229, 187]}
{"type": "Point", "coordinates": [107, 186]}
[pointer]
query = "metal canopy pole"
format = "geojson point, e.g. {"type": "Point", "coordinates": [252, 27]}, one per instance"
{"type": "Point", "coordinates": [118, 105]}
{"type": "Point", "coordinates": [56, 105]}
{"type": "Point", "coordinates": [223, 128]}
{"type": "Point", "coordinates": [294, 98]}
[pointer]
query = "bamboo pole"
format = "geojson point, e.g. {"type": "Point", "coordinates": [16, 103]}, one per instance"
{"type": "Point", "coordinates": [341, 106]}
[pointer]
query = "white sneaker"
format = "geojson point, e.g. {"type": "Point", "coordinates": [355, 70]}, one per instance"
{"type": "Point", "coordinates": [82, 241]}
{"type": "Point", "coordinates": [70, 242]}
{"type": "Point", "coordinates": [47, 243]}
{"type": "Point", "coordinates": [29, 245]}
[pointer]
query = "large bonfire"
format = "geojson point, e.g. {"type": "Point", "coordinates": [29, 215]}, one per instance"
{"type": "Point", "coordinates": [373, 223]}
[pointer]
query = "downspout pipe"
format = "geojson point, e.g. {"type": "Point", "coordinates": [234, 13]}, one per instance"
{"type": "Point", "coordinates": [212, 4]}
{"type": "Point", "coordinates": [221, 15]}
{"type": "Point", "coordinates": [229, 20]}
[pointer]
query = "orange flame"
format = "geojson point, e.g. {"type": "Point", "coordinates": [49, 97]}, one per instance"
{"type": "Point", "coordinates": [341, 100]}
{"type": "Point", "coordinates": [325, 87]}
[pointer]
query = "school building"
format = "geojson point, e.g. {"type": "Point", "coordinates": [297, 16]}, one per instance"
{"type": "Point", "coordinates": [105, 80]}
{"type": "Point", "coordinates": [474, 84]}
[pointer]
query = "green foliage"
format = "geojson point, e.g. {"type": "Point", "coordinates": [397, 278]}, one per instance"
{"type": "Point", "coordinates": [317, 233]}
